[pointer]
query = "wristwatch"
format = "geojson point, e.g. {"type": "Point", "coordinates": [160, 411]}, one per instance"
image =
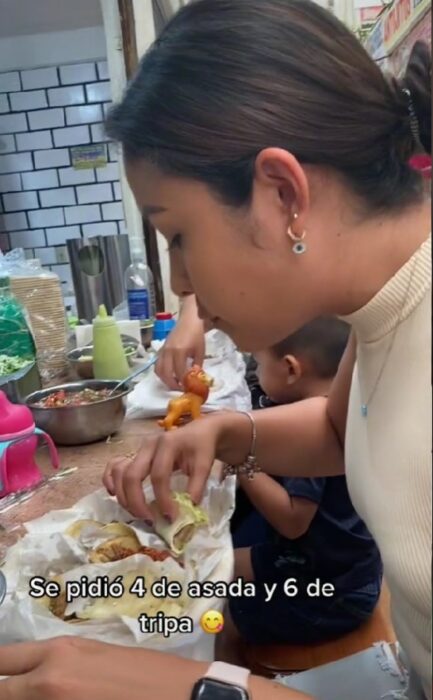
{"type": "Point", "coordinates": [222, 682]}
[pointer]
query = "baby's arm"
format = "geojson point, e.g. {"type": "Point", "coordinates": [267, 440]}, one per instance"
{"type": "Point", "coordinates": [291, 516]}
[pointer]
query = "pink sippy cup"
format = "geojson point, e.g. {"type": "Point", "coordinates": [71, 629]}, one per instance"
{"type": "Point", "coordinates": [18, 443]}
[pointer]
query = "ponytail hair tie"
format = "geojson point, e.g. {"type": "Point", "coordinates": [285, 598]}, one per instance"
{"type": "Point", "coordinates": [422, 163]}
{"type": "Point", "coordinates": [414, 123]}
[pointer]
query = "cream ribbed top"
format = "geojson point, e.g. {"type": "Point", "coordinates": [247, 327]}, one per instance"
{"type": "Point", "coordinates": [388, 452]}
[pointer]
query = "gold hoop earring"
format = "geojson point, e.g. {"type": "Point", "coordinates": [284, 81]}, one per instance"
{"type": "Point", "coordinates": [299, 246]}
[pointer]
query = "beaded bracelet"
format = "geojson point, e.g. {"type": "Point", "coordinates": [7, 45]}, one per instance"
{"type": "Point", "coordinates": [250, 467]}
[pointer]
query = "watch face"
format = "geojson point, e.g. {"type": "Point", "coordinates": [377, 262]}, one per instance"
{"type": "Point", "coordinates": [208, 689]}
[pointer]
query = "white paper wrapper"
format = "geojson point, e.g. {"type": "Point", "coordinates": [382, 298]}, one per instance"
{"type": "Point", "coordinates": [227, 368]}
{"type": "Point", "coordinates": [45, 551]}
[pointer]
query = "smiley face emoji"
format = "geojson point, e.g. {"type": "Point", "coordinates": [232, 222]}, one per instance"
{"type": "Point", "coordinates": [212, 622]}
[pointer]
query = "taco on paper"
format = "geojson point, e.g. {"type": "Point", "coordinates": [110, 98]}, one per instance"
{"type": "Point", "coordinates": [178, 534]}
{"type": "Point", "coordinates": [76, 529]}
{"type": "Point", "coordinates": [129, 604]}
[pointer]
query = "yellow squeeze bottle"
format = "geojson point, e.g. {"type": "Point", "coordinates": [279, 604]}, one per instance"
{"type": "Point", "coordinates": [109, 361]}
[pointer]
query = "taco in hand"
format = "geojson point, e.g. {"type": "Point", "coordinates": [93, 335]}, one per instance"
{"type": "Point", "coordinates": [178, 534]}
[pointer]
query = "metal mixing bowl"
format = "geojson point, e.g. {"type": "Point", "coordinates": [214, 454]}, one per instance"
{"type": "Point", "coordinates": [83, 368]}
{"type": "Point", "coordinates": [80, 425]}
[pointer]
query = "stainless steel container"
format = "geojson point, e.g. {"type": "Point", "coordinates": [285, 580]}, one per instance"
{"type": "Point", "coordinates": [81, 359]}
{"type": "Point", "coordinates": [80, 425]}
{"type": "Point", "coordinates": [98, 266]}
{"type": "Point", "coordinates": [22, 383]}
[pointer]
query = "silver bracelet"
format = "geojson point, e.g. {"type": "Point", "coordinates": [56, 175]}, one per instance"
{"type": "Point", "coordinates": [250, 467]}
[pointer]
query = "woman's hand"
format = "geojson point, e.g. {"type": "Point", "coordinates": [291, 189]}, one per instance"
{"type": "Point", "coordinates": [185, 342]}
{"type": "Point", "coordinates": [191, 448]}
{"type": "Point", "coordinates": [72, 668]}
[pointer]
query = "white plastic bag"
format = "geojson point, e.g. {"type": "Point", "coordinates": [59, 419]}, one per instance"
{"type": "Point", "coordinates": [40, 293]}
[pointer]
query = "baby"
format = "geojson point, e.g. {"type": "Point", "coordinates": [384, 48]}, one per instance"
{"type": "Point", "coordinates": [310, 531]}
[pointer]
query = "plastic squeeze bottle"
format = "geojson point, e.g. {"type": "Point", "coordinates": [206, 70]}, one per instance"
{"type": "Point", "coordinates": [109, 361]}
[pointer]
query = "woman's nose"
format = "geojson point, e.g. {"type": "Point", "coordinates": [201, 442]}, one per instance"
{"type": "Point", "coordinates": [179, 280]}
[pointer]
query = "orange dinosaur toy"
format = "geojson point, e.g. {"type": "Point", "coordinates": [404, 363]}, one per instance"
{"type": "Point", "coordinates": [196, 384]}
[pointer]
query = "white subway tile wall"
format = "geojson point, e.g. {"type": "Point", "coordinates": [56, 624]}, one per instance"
{"type": "Point", "coordinates": [77, 73]}
{"type": "Point", "coordinates": [4, 104]}
{"type": "Point", "coordinates": [39, 78]}
{"type": "Point", "coordinates": [12, 123]}
{"type": "Point", "coordinates": [52, 158]}
{"type": "Point", "coordinates": [39, 180]}
{"type": "Point", "coordinates": [7, 143]}
{"type": "Point", "coordinates": [98, 92]}
{"type": "Point", "coordinates": [98, 133]}
{"type": "Point", "coordinates": [17, 201]}
{"type": "Point", "coordinates": [34, 140]}
{"type": "Point", "coordinates": [28, 239]}
{"type": "Point", "coordinates": [109, 173]}
{"type": "Point", "coordinates": [21, 101]}
{"type": "Point", "coordinates": [117, 190]}
{"type": "Point", "coordinates": [46, 217]}
{"type": "Point", "coordinates": [46, 118]}
{"type": "Point", "coordinates": [103, 70]}
{"type": "Point", "coordinates": [65, 274]}
{"type": "Point", "coordinates": [59, 236]}
{"type": "Point", "coordinates": [112, 211]}
{"type": "Point", "coordinates": [44, 200]}
{"type": "Point", "coordinates": [47, 256]}
{"type": "Point", "coordinates": [59, 97]}
{"type": "Point", "coordinates": [10, 82]}
{"type": "Point", "coordinates": [71, 136]}
{"type": "Point", "coordinates": [10, 183]}
{"type": "Point", "coordinates": [83, 214]}
{"type": "Point", "coordinates": [114, 151]}
{"type": "Point", "coordinates": [72, 176]}
{"type": "Point", "coordinates": [13, 222]}
{"type": "Point", "coordinates": [85, 114]}
{"type": "Point", "coordinates": [94, 193]}
{"type": "Point", "coordinates": [106, 107]}
{"type": "Point", "coordinates": [64, 196]}
{"type": "Point", "coordinates": [16, 163]}
{"type": "Point", "coordinates": [4, 242]}
{"type": "Point", "coordinates": [108, 228]}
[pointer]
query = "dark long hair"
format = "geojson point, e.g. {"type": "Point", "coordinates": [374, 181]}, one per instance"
{"type": "Point", "coordinates": [228, 78]}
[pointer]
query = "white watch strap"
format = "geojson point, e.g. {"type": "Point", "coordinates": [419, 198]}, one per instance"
{"type": "Point", "coordinates": [226, 673]}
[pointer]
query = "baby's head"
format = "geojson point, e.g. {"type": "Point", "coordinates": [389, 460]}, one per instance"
{"type": "Point", "coordinates": [305, 363]}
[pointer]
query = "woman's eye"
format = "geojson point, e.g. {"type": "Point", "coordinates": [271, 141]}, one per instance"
{"type": "Point", "coordinates": [175, 242]}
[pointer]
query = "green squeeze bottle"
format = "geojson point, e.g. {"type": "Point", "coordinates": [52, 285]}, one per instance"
{"type": "Point", "coordinates": [109, 361]}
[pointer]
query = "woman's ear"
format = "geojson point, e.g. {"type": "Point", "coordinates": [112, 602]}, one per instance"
{"type": "Point", "coordinates": [294, 369]}
{"type": "Point", "coordinates": [280, 170]}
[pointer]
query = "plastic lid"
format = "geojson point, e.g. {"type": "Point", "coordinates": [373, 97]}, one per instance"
{"type": "Point", "coordinates": [164, 316]}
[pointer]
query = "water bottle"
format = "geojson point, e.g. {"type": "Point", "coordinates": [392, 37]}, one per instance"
{"type": "Point", "coordinates": [140, 291]}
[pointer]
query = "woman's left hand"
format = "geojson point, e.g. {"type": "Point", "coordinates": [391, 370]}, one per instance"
{"type": "Point", "coordinates": [72, 668]}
